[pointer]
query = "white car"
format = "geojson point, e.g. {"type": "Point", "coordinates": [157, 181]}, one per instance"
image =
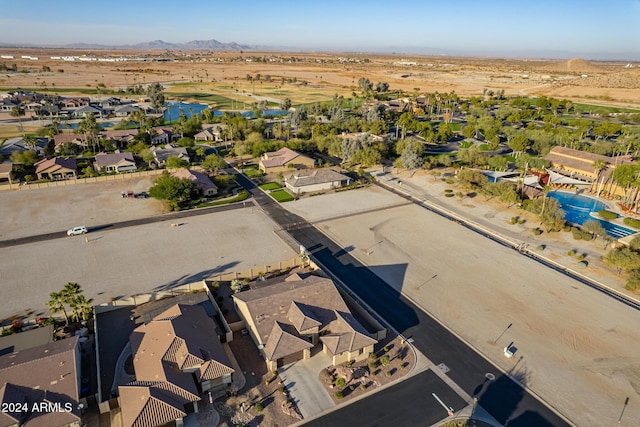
{"type": "Point", "coordinates": [77, 230]}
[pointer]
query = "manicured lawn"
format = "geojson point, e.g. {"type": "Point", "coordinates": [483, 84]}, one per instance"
{"type": "Point", "coordinates": [252, 173]}
{"type": "Point", "coordinates": [270, 186]}
{"type": "Point", "coordinates": [242, 195]}
{"type": "Point", "coordinates": [465, 144]}
{"type": "Point", "coordinates": [281, 196]}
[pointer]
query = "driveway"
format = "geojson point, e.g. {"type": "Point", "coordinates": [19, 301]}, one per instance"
{"type": "Point", "coordinates": [302, 380]}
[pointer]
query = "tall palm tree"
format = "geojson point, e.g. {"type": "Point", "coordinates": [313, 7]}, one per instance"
{"type": "Point", "coordinates": [598, 166]}
{"type": "Point", "coordinates": [56, 304]}
{"type": "Point", "coordinates": [81, 307]}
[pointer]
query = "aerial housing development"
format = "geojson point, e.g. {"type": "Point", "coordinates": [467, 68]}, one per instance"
{"type": "Point", "coordinates": [201, 233]}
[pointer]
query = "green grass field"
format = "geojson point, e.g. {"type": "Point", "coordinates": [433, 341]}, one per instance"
{"type": "Point", "coordinates": [281, 196]}
{"type": "Point", "coordinates": [270, 186]}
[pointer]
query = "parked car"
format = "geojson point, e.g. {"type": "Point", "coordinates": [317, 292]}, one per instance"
{"type": "Point", "coordinates": [77, 230]}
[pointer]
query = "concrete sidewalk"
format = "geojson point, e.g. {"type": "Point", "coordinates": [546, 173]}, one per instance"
{"type": "Point", "coordinates": [302, 381]}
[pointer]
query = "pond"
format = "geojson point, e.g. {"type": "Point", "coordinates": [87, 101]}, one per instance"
{"type": "Point", "coordinates": [578, 208]}
{"type": "Point", "coordinates": [102, 125]}
{"type": "Point", "coordinates": [174, 109]}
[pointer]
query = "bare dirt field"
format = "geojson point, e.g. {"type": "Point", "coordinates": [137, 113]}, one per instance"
{"type": "Point", "coordinates": [318, 76]}
{"type": "Point", "coordinates": [125, 261]}
{"type": "Point", "coordinates": [576, 347]}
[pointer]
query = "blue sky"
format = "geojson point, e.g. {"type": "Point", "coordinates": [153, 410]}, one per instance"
{"type": "Point", "coordinates": [526, 28]}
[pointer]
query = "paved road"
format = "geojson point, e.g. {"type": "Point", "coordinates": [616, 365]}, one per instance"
{"type": "Point", "coordinates": [380, 409]}
{"type": "Point", "coordinates": [506, 401]}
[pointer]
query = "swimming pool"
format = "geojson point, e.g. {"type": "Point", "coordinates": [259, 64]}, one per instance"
{"type": "Point", "coordinates": [577, 210]}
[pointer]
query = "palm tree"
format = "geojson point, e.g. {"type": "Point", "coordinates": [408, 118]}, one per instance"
{"type": "Point", "coordinates": [56, 304]}
{"type": "Point", "coordinates": [598, 166]}
{"type": "Point", "coordinates": [81, 307]}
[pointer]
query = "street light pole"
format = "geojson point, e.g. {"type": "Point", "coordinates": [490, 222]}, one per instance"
{"type": "Point", "coordinates": [503, 332]}
{"type": "Point", "coordinates": [626, 402]}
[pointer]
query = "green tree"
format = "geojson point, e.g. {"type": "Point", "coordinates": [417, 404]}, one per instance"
{"type": "Point", "coordinates": [174, 190]}
{"type": "Point", "coordinates": [155, 92]}
{"type": "Point", "coordinates": [56, 304]}
{"type": "Point", "coordinates": [472, 179]}
{"type": "Point", "coordinates": [624, 259]}
{"type": "Point", "coordinates": [411, 155]}
{"type": "Point", "coordinates": [27, 158]}
{"type": "Point", "coordinates": [633, 281]}
{"type": "Point", "coordinates": [594, 228]}
{"type": "Point", "coordinates": [174, 162]}
{"type": "Point", "coordinates": [89, 128]}
{"type": "Point", "coordinates": [213, 163]}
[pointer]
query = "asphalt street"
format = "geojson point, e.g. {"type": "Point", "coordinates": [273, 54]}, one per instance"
{"type": "Point", "coordinates": [506, 401]}
{"type": "Point", "coordinates": [379, 409]}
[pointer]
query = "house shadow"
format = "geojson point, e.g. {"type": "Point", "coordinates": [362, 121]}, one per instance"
{"type": "Point", "coordinates": [369, 287]}
{"type": "Point", "coordinates": [196, 277]}
{"type": "Point", "coordinates": [503, 399]}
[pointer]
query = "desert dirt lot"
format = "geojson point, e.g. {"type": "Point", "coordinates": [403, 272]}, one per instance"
{"type": "Point", "coordinates": [579, 348]}
{"type": "Point", "coordinates": [122, 261]}
{"type": "Point", "coordinates": [224, 73]}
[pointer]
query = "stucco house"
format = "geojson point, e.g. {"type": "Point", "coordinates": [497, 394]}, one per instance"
{"type": "Point", "coordinates": [56, 168]}
{"type": "Point", "coordinates": [287, 320]}
{"type": "Point", "coordinates": [115, 162]}
{"type": "Point", "coordinates": [202, 182]}
{"type": "Point", "coordinates": [162, 136]}
{"type": "Point", "coordinates": [48, 373]}
{"type": "Point", "coordinates": [309, 180]}
{"type": "Point", "coordinates": [161, 154]}
{"type": "Point", "coordinates": [284, 159]}
{"type": "Point", "coordinates": [125, 110]}
{"type": "Point", "coordinates": [177, 357]}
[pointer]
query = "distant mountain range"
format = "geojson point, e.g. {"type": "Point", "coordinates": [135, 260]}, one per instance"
{"type": "Point", "coordinates": [152, 45]}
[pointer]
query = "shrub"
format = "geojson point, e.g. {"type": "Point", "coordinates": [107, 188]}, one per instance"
{"type": "Point", "coordinates": [386, 349]}
{"type": "Point", "coordinates": [281, 389]}
{"type": "Point", "coordinates": [259, 407]}
{"type": "Point", "coordinates": [372, 366]}
{"type": "Point", "coordinates": [541, 247]}
{"type": "Point", "coordinates": [267, 382]}
{"type": "Point", "coordinates": [514, 219]}
{"type": "Point", "coordinates": [571, 252]}
{"type": "Point", "coordinates": [537, 231]}
{"type": "Point", "coordinates": [372, 356]}
{"type": "Point", "coordinates": [388, 373]}
{"type": "Point", "coordinates": [577, 235]}
{"type": "Point", "coordinates": [607, 214]}
{"type": "Point", "coordinates": [632, 222]}
{"type": "Point", "coordinates": [580, 257]}
{"type": "Point", "coordinates": [339, 394]}
{"type": "Point", "coordinates": [583, 264]}
{"type": "Point", "coordinates": [522, 221]}
{"type": "Point", "coordinates": [341, 382]}
{"type": "Point", "coordinates": [363, 386]}
{"type": "Point", "coordinates": [448, 194]}
{"type": "Point", "coordinates": [448, 190]}
{"type": "Point", "coordinates": [459, 195]}
{"type": "Point", "coordinates": [384, 360]}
